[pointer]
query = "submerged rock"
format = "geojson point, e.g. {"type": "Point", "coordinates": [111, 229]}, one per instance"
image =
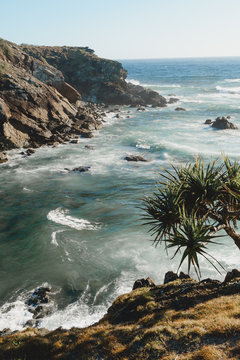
{"type": "Point", "coordinates": [39, 296]}
{"type": "Point", "coordinates": [222, 123]}
{"type": "Point", "coordinates": [173, 100]}
{"type": "Point", "coordinates": [180, 109]}
{"type": "Point", "coordinates": [135, 158]}
{"type": "Point", "coordinates": [29, 152]}
{"type": "Point", "coordinates": [90, 147]}
{"type": "Point", "coordinates": [208, 122]}
{"type": "Point", "coordinates": [82, 169]}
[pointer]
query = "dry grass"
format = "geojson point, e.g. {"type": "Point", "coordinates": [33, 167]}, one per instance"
{"type": "Point", "coordinates": [139, 327]}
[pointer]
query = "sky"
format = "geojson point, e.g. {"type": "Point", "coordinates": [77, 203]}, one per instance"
{"type": "Point", "coordinates": [127, 29]}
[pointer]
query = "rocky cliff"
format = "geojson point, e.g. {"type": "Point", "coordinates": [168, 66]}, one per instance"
{"type": "Point", "coordinates": [98, 80]}
{"type": "Point", "coordinates": [180, 320]}
{"type": "Point", "coordinates": [37, 106]}
{"type": "Point", "coordinates": [49, 95]}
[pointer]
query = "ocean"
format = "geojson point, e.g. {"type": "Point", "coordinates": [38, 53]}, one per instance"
{"type": "Point", "coordinates": [82, 233]}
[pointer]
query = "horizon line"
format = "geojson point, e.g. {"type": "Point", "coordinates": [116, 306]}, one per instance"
{"type": "Point", "coordinates": [179, 58]}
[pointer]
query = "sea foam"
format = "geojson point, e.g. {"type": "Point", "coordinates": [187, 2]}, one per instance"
{"type": "Point", "coordinates": [229, 90]}
{"type": "Point", "coordinates": [60, 216]}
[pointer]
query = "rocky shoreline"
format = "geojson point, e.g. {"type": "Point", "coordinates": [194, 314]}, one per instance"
{"type": "Point", "coordinates": [182, 319]}
{"type": "Point", "coordinates": [52, 95]}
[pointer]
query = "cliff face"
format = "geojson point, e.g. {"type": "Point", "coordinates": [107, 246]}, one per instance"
{"type": "Point", "coordinates": [183, 319]}
{"type": "Point", "coordinates": [98, 80]}
{"type": "Point", "coordinates": [42, 88]}
{"type": "Point", "coordinates": [37, 106]}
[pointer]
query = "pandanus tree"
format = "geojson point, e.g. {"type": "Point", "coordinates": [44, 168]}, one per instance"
{"type": "Point", "coordinates": [191, 204]}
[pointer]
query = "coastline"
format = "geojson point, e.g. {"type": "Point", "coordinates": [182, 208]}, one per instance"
{"type": "Point", "coordinates": [182, 319]}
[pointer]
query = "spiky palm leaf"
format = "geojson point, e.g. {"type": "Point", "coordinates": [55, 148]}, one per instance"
{"type": "Point", "coordinates": [162, 211]}
{"type": "Point", "coordinates": [192, 235]}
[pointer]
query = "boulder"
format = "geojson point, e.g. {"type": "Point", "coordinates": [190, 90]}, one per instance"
{"type": "Point", "coordinates": [208, 122]}
{"type": "Point", "coordinates": [82, 169]}
{"type": "Point", "coordinates": [143, 283]}
{"type": "Point", "coordinates": [170, 276]}
{"type": "Point", "coordinates": [29, 152]}
{"type": "Point", "coordinates": [182, 275]}
{"type": "Point", "coordinates": [173, 100]}
{"type": "Point", "coordinates": [3, 157]}
{"type": "Point", "coordinates": [135, 158]}
{"type": "Point", "coordinates": [222, 123]}
{"type": "Point", "coordinates": [180, 109]}
{"type": "Point", "coordinates": [141, 108]}
{"type": "Point", "coordinates": [74, 141]}
{"type": "Point", "coordinates": [39, 296]}
{"type": "Point", "coordinates": [90, 147]}
{"type": "Point", "coordinates": [232, 275]}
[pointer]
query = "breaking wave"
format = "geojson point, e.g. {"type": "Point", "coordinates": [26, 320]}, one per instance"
{"type": "Point", "coordinates": [60, 216]}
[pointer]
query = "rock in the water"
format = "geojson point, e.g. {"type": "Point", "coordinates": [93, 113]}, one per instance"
{"type": "Point", "coordinates": [3, 157]}
{"type": "Point", "coordinates": [87, 134]}
{"type": "Point", "coordinates": [90, 147]}
{"type": "Point", "coordinates": [143, 283]}
{"type": "Point", "coordinates": [222, 123]}
{"type": "Point", "coordinates": [135, 158]}
{"type": "Point", "coordinates": [208, 122]}
{"type": "Point", "coordinates": [39, 296]}
{"type": "Point", "coordinates": [82, 169]}
{"type": "Point", "coordinates": [232, 275]}
{"type": "Point", "coordinates": [173, 100]}
{"type": "Point", "coordinates": [170, 276]}
{"type": "Point", "coordinates": [141, 108]}
{"type": "Point", "coordinates": [29, 152]}
{"type": "Point", "coordinates": [74, 141]}
{"type": "Point", "coordinates": [180, 109]}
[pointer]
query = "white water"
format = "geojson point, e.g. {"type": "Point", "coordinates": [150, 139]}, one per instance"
{"type": "Point", "coordinates": [82, 232]}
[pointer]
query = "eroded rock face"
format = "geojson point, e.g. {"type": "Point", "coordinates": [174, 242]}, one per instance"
{"type": "Point", "coordinates": [222, 123]}
{"type": "Point", "coordinates": [98, 80]}
{"type": "Point", "coordinates": [33, 110]}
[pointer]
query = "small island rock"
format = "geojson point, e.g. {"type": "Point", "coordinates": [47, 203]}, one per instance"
{"type": "Point", "coordinates": [222, 123]}
{"type": "Point", "coordinates": [180, 109]}
{"type": "Point", "coordinates": [135, 158]}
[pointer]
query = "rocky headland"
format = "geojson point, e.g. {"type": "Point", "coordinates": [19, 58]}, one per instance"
{"type": "Point", "coordinates": [182, 319]}
{"type": "Point", "coordinates": [49, 95]}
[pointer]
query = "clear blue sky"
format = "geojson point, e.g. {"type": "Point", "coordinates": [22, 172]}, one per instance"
{"type": "Point", "coordinates": [125, 29]}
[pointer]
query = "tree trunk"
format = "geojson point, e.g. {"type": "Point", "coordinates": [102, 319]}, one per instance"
{"type": "Point", "coordinates": [234, 235]}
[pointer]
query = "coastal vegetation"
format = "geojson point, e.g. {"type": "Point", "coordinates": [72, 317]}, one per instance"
{"type": "Point", "coordinates": [182, 320]}
{"type": "Point", "coordinates": [191, 204]}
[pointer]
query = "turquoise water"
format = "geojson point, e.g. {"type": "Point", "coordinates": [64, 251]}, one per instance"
{"type": "Point", "coordinates": [81, 232]}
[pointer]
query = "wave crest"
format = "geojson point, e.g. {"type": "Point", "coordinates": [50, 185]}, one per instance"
{"type": "Point", "coordinates": [60, 216]}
